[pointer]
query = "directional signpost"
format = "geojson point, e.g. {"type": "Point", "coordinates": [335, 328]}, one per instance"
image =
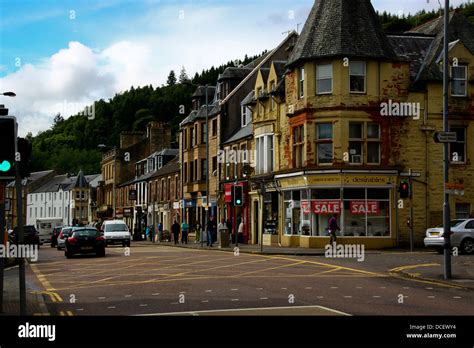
{"type": "Point", "coordinates": [445, 137]}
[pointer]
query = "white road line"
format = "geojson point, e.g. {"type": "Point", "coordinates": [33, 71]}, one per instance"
{"type": "Point", "coordinates": [234, 299]}
{"type": "Point", "coordinates": [359, 287]}
{"type": "Point", "coordinates": [80, 309]}
{"type": "Point", "coordinates": [259, 288]}
{"type": "Point", "coordinates": [457, 297]}
{"type": "Point", "coordinates": [205, 301]}
{"type": "Point", "coordinates": [308, 288]}
{"type": "Point", "coordinates": [429, 288]}
{"type": "Point", "coordinates": [244, 309]}
{"type": "Point", "coordinates": [143, 305]}
{"type": "Point", "coordinates": [208, 290]}
{"type": "Point", "coordinates": [111, 307]}
{"type": "Point", "coordinates": [334, 287]}
{"type": "Point", "coordinates": [234, 289]}
{"type": "Point", "coordinates": [182, 292]}
{"type": "Point", "coordinates": [128, 296]}
{"type": "Point", "coordinates": [382, 287]}
{"type": "Point", "coordinates": [406, 287]}
{"type": "Point", "coordinates": [264, 298]}
{"type": "Point", "coordinates": [376, 296]}
{"type": "Point", "coordinates": [155, 294]}
{"type": "Point", "coordinates": [284, 288]}
{"type": "Point", "coordinates": [347, 296]}
{"type": "Point", "coordinates": [431, 297]}
{"type": "Point", "coordinates": [102, 298]}
{"type": "Point", "coordinates": [320, 296]}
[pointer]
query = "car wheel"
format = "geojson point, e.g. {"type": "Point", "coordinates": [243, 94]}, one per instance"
{"type": "Point", "coordinates": [67, 254]}
{"type": "Point", "coordinates": [58, 247]}
{"type": "Point", "coordinates": [127, 244]}
{"type": "Point", "coordinates": [467, 246]}
{"type": "Point", "coordinates": [52, 245]}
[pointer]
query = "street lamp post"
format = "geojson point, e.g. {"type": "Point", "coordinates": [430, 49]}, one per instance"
{"type": "Point", "coordinates": [446, 208]}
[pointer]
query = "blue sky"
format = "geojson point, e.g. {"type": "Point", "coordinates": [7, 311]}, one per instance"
{"type": "Point", "coordinates": [57, 53]}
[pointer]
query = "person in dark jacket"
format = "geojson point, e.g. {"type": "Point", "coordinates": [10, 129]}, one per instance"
{"type": "Point", "coordinates": [175, 229]}
{"type": "Point", "coordinates": [333, 228]}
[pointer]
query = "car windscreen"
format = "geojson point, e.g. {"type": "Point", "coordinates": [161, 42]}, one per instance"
{"type": "Point", "coordinates": [86, 233]}
{"type": "Point", "coordinates": [116, 228]}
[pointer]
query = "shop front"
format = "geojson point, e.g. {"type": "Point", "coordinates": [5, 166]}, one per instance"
{"type": "Point", "coordinates": [364, 205]}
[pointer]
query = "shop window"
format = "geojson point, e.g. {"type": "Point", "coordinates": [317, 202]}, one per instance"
{"type": "Point", "coordinates": [324, 138]}
{"type": "Point", "coordinates": [459, 81]}
{"type": "Point", "coordinates": [324, 78]}
{"type": "Point", "coordinates": [357, 77]}
{"type": "Point", "coordinates": [458, 149]}
{"type": "Point", "coordinates": [298, 146]}
{"type": "Point", "coordinates": [356, 142]}
{"type": "Point", "coordinates": [463, 210]}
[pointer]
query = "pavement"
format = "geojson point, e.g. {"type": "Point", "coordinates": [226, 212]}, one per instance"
{"type": "Point", "coordinates": [35, 300]}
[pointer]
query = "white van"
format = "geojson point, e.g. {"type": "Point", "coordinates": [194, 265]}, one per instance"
{"type": "Point", "coordinates": [116, 231]}
{"type": "Point", "coordinates": [45, 228]}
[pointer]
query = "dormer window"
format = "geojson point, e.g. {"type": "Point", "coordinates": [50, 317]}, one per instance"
{"type": "Point", "coordinates": [246, 116]}
{"type": "Point", "coordinates": [357, 73]}
{"type": "Point", "coordinates": [459, 81]}
{"type": "Point", "coordinates": [159, 161]}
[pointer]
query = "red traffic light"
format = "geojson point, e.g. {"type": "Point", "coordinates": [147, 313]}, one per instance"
{"type": "Point", "coordinates": [404, 190]}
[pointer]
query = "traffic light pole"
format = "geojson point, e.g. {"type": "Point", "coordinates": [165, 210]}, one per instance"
{"type": "Point", "coordinates": [21, 236]}
{"type": "Point", "coordinates": [2, 239]}
{"type": "Point", "coordinates": [412, 232]}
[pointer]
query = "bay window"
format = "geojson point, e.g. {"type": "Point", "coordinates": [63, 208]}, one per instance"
{"type": "Point", "coordinates": [324, 139]}
{"type": "Point", "coordinates": [265, 154]}
{"type": "Point", "coordinates": [298, 146]}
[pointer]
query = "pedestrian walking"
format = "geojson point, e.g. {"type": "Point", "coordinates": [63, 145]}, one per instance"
{"type": "Point", "coordinates": [147, 232]}
{"type": "Point", "coordinates": [240, 234]}
{"type": "Point", "coordinates": [198, 232]}
{"type": "Point", "coordinates": [175, 230]}
{"type": "Point", "coordinates": [211, 227]}
{"type": "Point", "coordinates": [160, 232]}
{"type": "Point", "coordinates": [184, 232]}
{"type": "Point", "coordinates": [333, 228]}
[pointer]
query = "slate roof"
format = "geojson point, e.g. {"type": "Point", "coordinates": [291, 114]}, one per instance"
{"type": "Point", "coordinates": [242, 133]}
{"type": "Point", "coordinates": [459, 29]}
{"type": "Point", "coordinates": [32, 178]}
{"type": "Point", "coordinates": [201, 91]}
{"type": "Point", "coordinates": [81, 181]}
{"type": "Point", "coordinates": [234, 73]}
{"type": "Point", "coordinates": [249, 99]}
{"type": "Point", "coordinates": [64, 183]}
{"type": "Point", "coordinates": [341, 28]}
{"type": "Point", "coordinates": [170, 167]}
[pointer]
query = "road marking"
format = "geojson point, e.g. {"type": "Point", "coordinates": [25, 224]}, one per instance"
{"type": "Point", "coordinates": [320, 296]}
{"type": "Point", "coordinates": [205, 301]}
{"type": "Point", "coordinates": [264, 298]}
{"type": "Point", "coordinates": [382, 287]}
{"type": "Point", "coordinates": [79, 309]}
{"type": "Point", "coordinates": [334, 287]}
{"type": "Point", "coordinates": [234, 289]}
{"type": "Point", "coordinates": [128, 296]}
{"type": "Point", "coordinates": [406, 287]}
{"type": "Point", "coordinates": [256, 310]}
{"type": "Point", "coordinates": [111, 307]}
{"type": "Point", "coordinates": [284, 288]}
{"type": "Point", "coordinates": [359, 287]}
{"type": "Point", "coordinates": [429, 288]}
{"type": "Point", "coordinates": [102, 298]}
{"type": "Point", "coordinates": [42, 278]}
{"type": "Point", "coordinates": [208, 291]}
{"type": "Point", "coordinates": [431, 297]}
{"type": "Point", "coordinates": [143, 305]}
{"type": "Point", "coordinates": [234, 299]}
{"type": "Point", "coordinates": [347, 296]}
{"type": "Point", "coordinates": [376, 296]}
{"type": "Point", "coordinates": [182, 292]}
{"type": "Point", "coordinates": [259, 288]}
{"type": "Point", "coordinates": [308, 288]}
{"type": "Point", "coordinates": [457, 297]}
{"type": "Point", "coordinates": [269, 269]}
{"type": "Point", "coordinates": [156, 294]}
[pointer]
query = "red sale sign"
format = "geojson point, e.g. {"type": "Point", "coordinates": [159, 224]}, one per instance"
{"type": "Point", "coordinates": [362, 207]}
{"type": "Point", "coordinates": [305, 207]}
{"type": "Point", "coordinates": [326, 207]}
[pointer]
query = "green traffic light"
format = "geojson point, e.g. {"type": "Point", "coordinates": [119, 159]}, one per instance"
{"type": "Point", "coordinates": [5, 166]}
{"type": "Point", "coordinates": [239, 201]}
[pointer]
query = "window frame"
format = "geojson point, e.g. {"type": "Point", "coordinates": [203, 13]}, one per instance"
{"type": "Point", "coordinates": [465, 79]}
{"type": "Point", "coordinates": [357, 140]}
{"type": "Point", "coordinates": [324, 141]}
{"type": "Point", "coordinates": [453, 128]}
{"type": "Point", "coordinates": [377, 141]}
{"type": "Point", "coordinates": [298, 146]}
{"type": "Point", "coordinates": [365, 77]}
{"type": "Point", "coordinates": [265, 147]}
{"type": "Point", "coordinates": [318, 79]}
{"type": "Point", "coordinates": [301, 81]}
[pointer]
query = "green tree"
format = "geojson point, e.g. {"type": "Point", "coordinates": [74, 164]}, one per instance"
{"type": "Point", "coordinates": [171, 78]}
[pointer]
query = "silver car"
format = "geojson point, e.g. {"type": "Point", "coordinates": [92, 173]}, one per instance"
{"type": "Point", "coordinates": [462, 236]}
{"type": "Point", "coordinates": [63, 235]}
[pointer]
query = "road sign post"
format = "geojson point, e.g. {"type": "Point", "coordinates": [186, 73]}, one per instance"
{"type": "Point", "coordinates": [445, 137]}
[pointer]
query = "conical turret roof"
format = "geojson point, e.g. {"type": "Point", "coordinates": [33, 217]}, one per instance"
{"type": "Point", "coordinates": [342, 28]}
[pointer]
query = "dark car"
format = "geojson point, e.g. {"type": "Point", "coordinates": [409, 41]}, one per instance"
{"type": "Point", "coordinates": [31, 236]}
{"type": "Point", "coordinates": [85, 240]}
{"type": "Point", "coordinates": [55, 235]}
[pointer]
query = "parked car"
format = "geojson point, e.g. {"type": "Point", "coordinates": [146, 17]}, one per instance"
{"type": "Point", "coordinates": [462, 236]}
{"type": "Point", "coordinates": [63, 235]}
{"type": "Point", "coordinates": [85, 240]}
{"type": "Point", "coordinates": [31, 235]}
{"type": "Point", "coordinates": [116, 231]}
{"type": "Point", "coordinates": [55, 235]}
